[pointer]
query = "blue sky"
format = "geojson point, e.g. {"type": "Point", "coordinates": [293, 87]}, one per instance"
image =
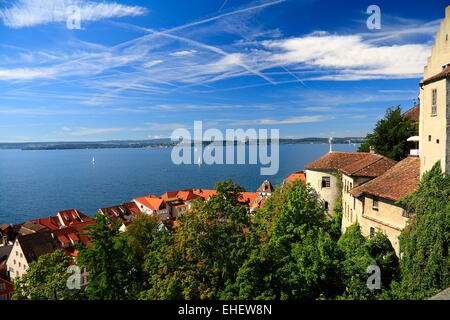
{"type": "Point", "coordinates": [140, 69]}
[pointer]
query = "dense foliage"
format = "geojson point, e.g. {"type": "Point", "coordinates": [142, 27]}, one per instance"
{"type": "Point", "coordinates": [425, 263]}
{"type": "Point", "coordinates": [390, 134]}
{"type": "Point", "coordinates": [46, 279]}
{"type": "Point", "coordinates": [289, 249]}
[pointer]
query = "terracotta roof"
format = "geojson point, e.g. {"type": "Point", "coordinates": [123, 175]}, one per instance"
{"type": "Point", "coordinates": [204, 193]}
{"type": "Point", "coordinates": [150, 202]}
{"type": "Point", "coordinates": [186, 195]}
{"type": "Point", "coordinates": [441, 75]}
{"type": "Point", "coordinates": [336, 160]}
{"type": "Point", "coordinates": [372, 165]}
{"type": "Point", "coordinates": [131, 206]}
{"type": "Point", "coordinates": [413, 113]}
{"type": "Point", "coordinates": [300, 175]}
{"type": "Point", "coordinates": [51, 223]}
{"type": "Point", "coordinates": [72, 216]}
{"type": "Point", "coordinates": [250, 196]}
{"type": "Point", "coordinates": [36, 244]}
{"type": "Point", "coordinates": [398, 181]}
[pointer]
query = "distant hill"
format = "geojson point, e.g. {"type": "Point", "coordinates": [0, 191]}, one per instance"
{"type": "Point", "coordinates": [154, 143]}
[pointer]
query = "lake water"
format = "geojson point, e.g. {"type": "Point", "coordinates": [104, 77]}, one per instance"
{"type": "Point", "coordinates": [38, 184]}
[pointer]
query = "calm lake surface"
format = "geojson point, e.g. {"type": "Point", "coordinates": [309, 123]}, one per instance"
{"type": "Point", "coordinates": [38, 184]}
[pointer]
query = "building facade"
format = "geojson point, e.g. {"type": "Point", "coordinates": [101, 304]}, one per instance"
{"type": "Point", "coordinates": [434, 125]}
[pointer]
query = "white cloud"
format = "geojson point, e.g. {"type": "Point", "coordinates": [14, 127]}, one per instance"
{"type": "Point", "coordinates": [183, 53]}
{"type": "Point", "coordinates": [350, 56]}
{"type": "Point", "coordinates": [27, 13]}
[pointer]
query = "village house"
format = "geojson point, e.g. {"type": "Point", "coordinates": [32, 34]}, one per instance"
{"type": "Point", "coordinates": [376, 208]}
{"type": "Point", "coordinates": [323, 175]}
{"type": "Point", "coordinates": [371, 187]}
{"type": "Point", "coordinates": [152, 205]}
{"type": "Point", "coordinates": [356, 174]}
{"type": "Point", "coordinates": [26, 249]}
{"type": "Point", "coordinates": [123, 213]}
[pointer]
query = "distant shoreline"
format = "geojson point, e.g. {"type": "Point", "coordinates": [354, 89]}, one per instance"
{"type": "Point", "coordinates": [156, 144]}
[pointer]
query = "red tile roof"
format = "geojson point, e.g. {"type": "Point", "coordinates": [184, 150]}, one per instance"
{"type": "Point", "coordinates": [52, 223]}
{"type": "Point", "coordinates": [398, 181]}
{"type": "Point", "coordinates": [372, 165]}
{"type": "Point", "coordinates": [68, 217]}
{"type": "Point", "coordinates": [250, 196]}
{"type": "Point", "coordinates": [131, 206]}
{"type": "Point", "coordinates": [300, 175]}
{"type": "Point", "coordinates": [150, 202]}
{"type": "Point", "coordinates": [413, 113]}
{"type": "Point", "coordinates": [204, 193]}
{"type": "Point", "coordinates": [336, 160]}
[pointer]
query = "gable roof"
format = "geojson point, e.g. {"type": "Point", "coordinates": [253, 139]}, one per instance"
{"type": "Point", "coordinates": [131, 206]}
{"type": "Point", "coordinates": [398, 181]}
{"type": "Point", "coordinates": [337, 160]}
{"type": "Point", "coordinates": [151, 202]}
{"type": "Point", "coordinates": [300, 175]}
{"type": "Point", "coordinates": [36, 244]}
{"type": "Point", "coordinates": [372, 165]}
{"type": "Point", "coordinates": [4, 253]}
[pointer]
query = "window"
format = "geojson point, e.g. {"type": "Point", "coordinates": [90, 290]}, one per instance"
{"type": "Point", "coordinates": [437, 141]}
{"type": "Point", "coordinates": [2, 287]}
{"type": "Point", "coordinates": [326, 205]}
{"type": "Point", "coordinates": [429, 138]}
{"type": "Point", "coordinates": [4, 297]}
{"type": "Point", "coordinates": [434, 102]}
{"type": "Point", "coordinates": [326, 182]}
{"type": "Point", "coordinates": [371, 232]}
{"type": "Point", "coordinates": [375, 203]}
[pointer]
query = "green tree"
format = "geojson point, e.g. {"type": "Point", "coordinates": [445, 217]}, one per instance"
{"type": "Point", "coordinates": [293, 256]}
{"type": "Point", "coordinates": [358, 253]}
{"type": "Point", "coordinates": [206, 250]}
{"type": "Point", "coordinates": [106, 260]}
{"type": "Point", "coordinates": [46, 279]}
{"type": "Point", "coordinates": [390, 134]}
{"type": "Point", "coordinates": [424, 243]}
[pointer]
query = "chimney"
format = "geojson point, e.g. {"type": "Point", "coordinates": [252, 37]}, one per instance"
{"type": "Point", "coordinates": [372, 149]}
